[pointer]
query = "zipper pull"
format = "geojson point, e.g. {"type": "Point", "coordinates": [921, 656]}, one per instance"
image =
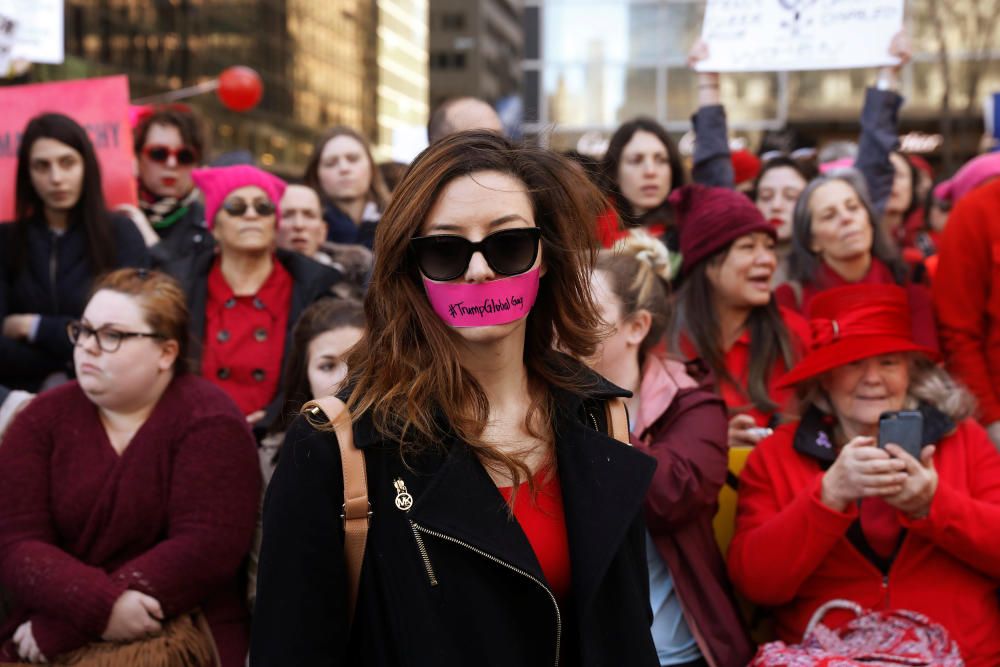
{"type": "Point", "coordinates": [404, 501]}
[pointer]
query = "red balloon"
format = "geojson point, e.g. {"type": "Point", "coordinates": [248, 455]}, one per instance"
{"type": "Point", "coordinates": [240, 88]}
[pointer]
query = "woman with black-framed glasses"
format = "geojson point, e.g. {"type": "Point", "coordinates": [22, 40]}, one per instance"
{"type": "Point", "coordinates": [62, 239]}
{"type": "Point", "coordinates": [507, 525]}
{"type": "Point", "coordinates": [128, 498]}
{"type": "Point", "coordinates": [245, 294]}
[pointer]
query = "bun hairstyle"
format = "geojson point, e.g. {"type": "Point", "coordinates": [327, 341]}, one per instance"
{"type": "Point", "coordinates": [639, 269]}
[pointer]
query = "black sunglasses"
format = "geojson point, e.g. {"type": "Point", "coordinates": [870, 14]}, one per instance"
{"type": "Point", "coordinates": [238, 207]}
{"type": "Point", "coordinates": [445, 257]}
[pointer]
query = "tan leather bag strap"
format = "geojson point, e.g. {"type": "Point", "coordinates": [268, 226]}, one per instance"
{"type": "Point", "coordinates": [356, 510]}
{"type": "Point", "coordinates": [617, 417]}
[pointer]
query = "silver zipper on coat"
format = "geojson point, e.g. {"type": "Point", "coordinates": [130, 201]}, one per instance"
{"type": "Point", "coordinates": [555, 604]}
{"type": "Point", "coordinates": [423, 554]}
{"type": "Point", "coordinates": [594, 419]}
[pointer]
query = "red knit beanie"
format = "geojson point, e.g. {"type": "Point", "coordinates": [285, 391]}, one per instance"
{"type": "Point", "coordinates": [709, 219]}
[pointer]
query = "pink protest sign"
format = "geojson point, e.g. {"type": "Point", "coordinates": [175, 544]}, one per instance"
{"type": "Point", "coordinates": [99, 105]}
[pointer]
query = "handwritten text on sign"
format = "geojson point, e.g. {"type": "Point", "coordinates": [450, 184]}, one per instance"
{"type": "Point", "coordinates": [780, 35]}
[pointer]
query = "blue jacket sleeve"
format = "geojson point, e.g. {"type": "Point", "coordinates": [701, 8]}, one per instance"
{"type": "Point", "coordinates": [712, 163]}
{"type": "Point", "coordinates": [879, 137]}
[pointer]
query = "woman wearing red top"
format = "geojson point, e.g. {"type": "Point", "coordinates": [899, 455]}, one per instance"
{"type": "Point", "coordinates": [682, 423]}
{"type": "Point", "coordinates": [824, 513]}
{"type": "Point", "coordinates": [640, 169]}
{"type": "Point", "coordinates": [457, 391]}
{"type": "Point", "coordinates": [725, 311]}
{"type": "Point", "coordinates": [246, 294]}
{"type": "Point", "coordinates": [837, 241]}
{"type": "Point", "coordinates": [127, 497]}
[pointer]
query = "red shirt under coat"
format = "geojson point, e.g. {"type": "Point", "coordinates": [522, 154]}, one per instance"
{"type": "Point", "coordinates": [172, 516]}
{"type": "Point", "coordinates": [737, 361]}
{"type": "Point", "coordinates": [967, 296]}
{"type": "Point", "coordinates": [543, 520]}
{"type": "Point", "coordinates": [791, 552]}
{"type": "Point", "coordinates": [245, 337]}
{"type": "Point", "coordinates": [921, 310]}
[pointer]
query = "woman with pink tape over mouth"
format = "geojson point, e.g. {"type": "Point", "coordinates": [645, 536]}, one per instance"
{"type": "Point", "coordinates": [506, 523]}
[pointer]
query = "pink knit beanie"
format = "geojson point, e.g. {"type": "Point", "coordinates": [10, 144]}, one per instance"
{"type": "Point", "coordinates": [216, 183]}
{"type": "Point", "coordinates": [710, 219]}
{"type": "Point", "coordinates": [972, 174]}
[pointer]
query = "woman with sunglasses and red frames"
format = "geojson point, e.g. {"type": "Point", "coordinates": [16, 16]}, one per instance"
{"type": "Point", "coordinates": [62, 239]}
{"type": "Point", "coordinates": [128, 498]}
{"type": "Point", "coordinates": [507, 524]}
{"type": "Point", "coordinates": [169, 145]}
{"type": "Point", "coordinates": [246, 294]}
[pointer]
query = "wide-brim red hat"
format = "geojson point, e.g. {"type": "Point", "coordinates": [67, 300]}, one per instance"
{"type": "Point", "coordinates": [854, 323]}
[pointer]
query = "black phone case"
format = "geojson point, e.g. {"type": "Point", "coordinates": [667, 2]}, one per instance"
{"type": "Point", "coordinates": [905, 429]}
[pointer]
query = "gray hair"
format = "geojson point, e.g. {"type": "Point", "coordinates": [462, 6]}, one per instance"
{"type": "Point", "coordinates": [803, 263]}
{"type": "Point", "coordinates": [929, 383]}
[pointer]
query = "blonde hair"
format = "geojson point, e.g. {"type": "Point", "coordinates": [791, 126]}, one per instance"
{"type": "Point", "coordinates": [639, 268]}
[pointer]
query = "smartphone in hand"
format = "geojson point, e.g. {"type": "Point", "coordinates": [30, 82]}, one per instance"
{"type": "Point", "coordinates": [904, 428]}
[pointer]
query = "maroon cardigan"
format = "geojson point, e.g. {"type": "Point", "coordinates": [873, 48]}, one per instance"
{"type": "Point", "coordinates": [172, 517]}
{"type": "Point", "coordinates": [683, 425]}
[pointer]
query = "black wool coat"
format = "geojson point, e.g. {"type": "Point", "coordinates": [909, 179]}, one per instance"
{"type": "Point", "coordinates": [453, 580]}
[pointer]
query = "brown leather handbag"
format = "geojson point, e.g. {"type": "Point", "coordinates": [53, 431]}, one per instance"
{"type": "Point", "coordinates": [186, 641]}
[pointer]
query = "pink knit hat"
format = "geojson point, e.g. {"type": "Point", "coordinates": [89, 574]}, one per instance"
{"type": "Point", "coordinates": [216, 183]}
{"type": "Point", "coordinates": [972, 174]}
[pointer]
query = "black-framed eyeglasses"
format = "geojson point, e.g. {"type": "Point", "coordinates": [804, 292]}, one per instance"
{"type": "Point", "coordinates": [238, 207]}
{"type": "Point", "coordinates": [108, 338]}
{"type": "Point", "coordinates": [444, 257]}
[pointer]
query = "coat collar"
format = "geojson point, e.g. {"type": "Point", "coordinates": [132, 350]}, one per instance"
{"type": "Point", "coordinates": [814, 435]}
{"type": "Point", "coordinates": [603, 483]}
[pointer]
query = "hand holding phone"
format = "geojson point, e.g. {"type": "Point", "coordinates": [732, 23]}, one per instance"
{"type": "Point", "coordinates": [904, 428]}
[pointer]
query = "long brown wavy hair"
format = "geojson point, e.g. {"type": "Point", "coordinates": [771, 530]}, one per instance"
{"type": "Point", "coordinates": [406, 370]}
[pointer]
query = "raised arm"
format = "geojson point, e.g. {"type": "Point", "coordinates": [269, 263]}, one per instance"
{"type": "Point", "coordinates": [712, 162]}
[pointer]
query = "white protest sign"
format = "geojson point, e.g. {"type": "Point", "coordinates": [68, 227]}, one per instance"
{"type": "Point", "coordinates": [782, 35]}
{"type": "Point", "coordinates": [39, 29]}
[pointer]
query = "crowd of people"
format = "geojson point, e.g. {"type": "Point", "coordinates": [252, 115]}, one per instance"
{"type": "Point", "coordinates": [479, 320]}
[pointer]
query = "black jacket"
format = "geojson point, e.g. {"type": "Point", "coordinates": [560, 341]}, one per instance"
{"type": "Point", "coordinates": [311, 281]}
{"type": "Point", "coordinates": [55, 282]}
{"type": "Point", "coordinates": [187, 236]}
{"type": "Point", "coordinates": [489, 605]}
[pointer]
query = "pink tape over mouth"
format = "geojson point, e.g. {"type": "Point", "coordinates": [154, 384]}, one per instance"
{"type": "Point", "coordinates": [484, 304]}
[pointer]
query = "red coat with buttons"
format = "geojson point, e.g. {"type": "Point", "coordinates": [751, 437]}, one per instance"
{"type": "Point", "coordinates": [310, 281]}
{"type": "Point", "coordinates": [791, 552]}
